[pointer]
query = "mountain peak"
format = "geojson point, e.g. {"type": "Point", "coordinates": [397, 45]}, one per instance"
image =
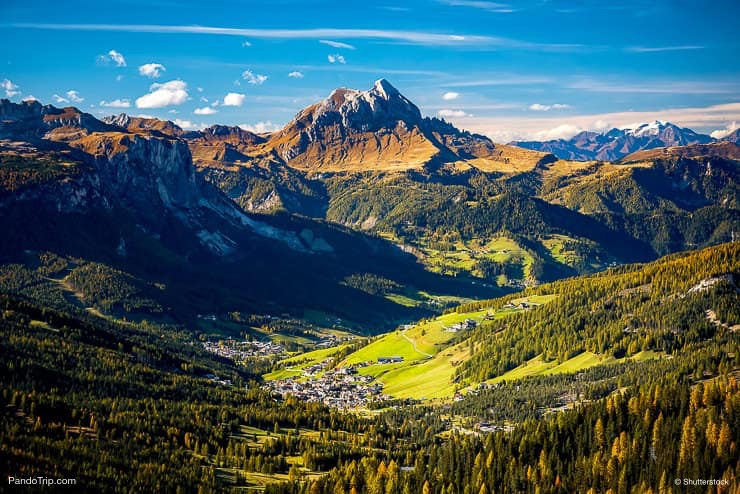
{"type": "Point", "coordinates": [385, 89]}
{"type": "Point", "coordinates": [382, 106]}
{"type": "Point", "coordinates": [619, 142]}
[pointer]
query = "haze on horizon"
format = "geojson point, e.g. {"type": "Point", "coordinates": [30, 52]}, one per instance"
{"type": "Point", "coordinates": [511, 70]}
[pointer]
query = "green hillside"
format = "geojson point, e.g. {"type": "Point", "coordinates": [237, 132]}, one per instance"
{"type": "Point", "coordinates": [632, 314]}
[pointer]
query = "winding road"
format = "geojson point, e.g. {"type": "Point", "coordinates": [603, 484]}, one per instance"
{"type": "Point", "coordinates": [413, 344]}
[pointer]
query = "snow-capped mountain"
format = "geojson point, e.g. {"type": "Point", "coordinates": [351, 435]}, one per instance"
{"type": "Point", "coordinates": [617, 143]}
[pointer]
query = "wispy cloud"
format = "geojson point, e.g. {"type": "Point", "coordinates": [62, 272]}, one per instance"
{"type": "Point", "coordinates": [414, 37]}
{"type": "Point", "coordinates": [651, 49]}
{"type": "Point", "coordinates": [336, 59]}
{"type": "Point", "coordinates": [447, 113]}
{"type": "Point", "coordinates": [114, 57]}
{"type": "Point", "coordinates": [252, 78]}
{"type": "Point", "coordinates": [261, 127]}
{"type": "Point", "coordinates": [504, 80]}
{"type": "Point", "coordinates": [152, 70]}
{"type": "Point", "coordinates": [450, 95]}
{"type": "Point", "coordinates": [481, 4]}
{"type": "Point", "coordinates": [296, 74]}
{"type": "Point", "coordinates": [10, 88]}
{"type": "Point", "coordinates": [336, 44]}
{"type": "Point", "coordinates": [555, 106]}
{"type": "Point", "coordinates": [74, 96]}
{"type": "Point", "coordinates": [116, 103]}
{"type": "Point", "coordinates": [655, 86]}
{"type": "Point", "coordinates": [60, 99]}
{"type": "Point", "coordinates": [166, 94]}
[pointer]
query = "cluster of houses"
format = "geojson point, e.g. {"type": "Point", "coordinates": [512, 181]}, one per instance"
{"type": "Point", "coordinates": [390, 360]}
{"type": "Point", "coordinates": [462, 325]}
{"type": "Point", "coordinates": [521, 305]}
{"type": "Point", "coordinates": [489, 427]}
{"type": "Point", "coordinates": [341, 388]}
{"type": "Point", "coordinates": [241, 350]}
{"type": "Point", "coordinates": [476, 391]}
{"type": "Point", "coordinates": [332, 341]}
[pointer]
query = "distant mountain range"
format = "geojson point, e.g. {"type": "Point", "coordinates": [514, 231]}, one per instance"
{"type": "Point", "coordinates": [359, 207]}
{"type": "Point", "coordinates": [615, 144]}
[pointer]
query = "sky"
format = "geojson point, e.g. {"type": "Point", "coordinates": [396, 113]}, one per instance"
{"type": "Point", "coordinates": [529, 69]}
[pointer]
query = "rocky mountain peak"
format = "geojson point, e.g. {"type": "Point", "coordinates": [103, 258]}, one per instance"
{"type": "Point", "coordinates": [382, 106]}
{"type": "Point", "coordinates": [121, 120]}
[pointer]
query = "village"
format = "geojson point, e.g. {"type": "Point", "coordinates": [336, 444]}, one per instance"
{"type": "Point", "coordinates": [340, 388]}
{"type": "Point", "coordinates": [242, 350]}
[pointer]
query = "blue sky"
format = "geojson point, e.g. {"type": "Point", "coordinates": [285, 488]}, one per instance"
{"type": "Point", "coordinates": [510, 69]}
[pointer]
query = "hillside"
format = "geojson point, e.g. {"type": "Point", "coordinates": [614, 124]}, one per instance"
{"type": "Point", "coordinates": [370, 161]}
{"type": "Point", "coordinates": [91, 192]}
{"type": "Point", "coordinates": [619, 321]}
{"type": "Point", "coordinates": [84, 397]}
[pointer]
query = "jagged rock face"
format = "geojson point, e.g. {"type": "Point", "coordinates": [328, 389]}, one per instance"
{"type": "Point", "coordinates": [141, 171]}
{"type": "Point", "coordinates": [139, 124]}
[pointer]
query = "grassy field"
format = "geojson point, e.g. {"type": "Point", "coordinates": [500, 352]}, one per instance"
{"type": "Point", "coordinates": [538, 367]}
{"type": "Point", "coordinates": [293, 366]}
{"type": "Point", "coordinates": [461, 256]}
{"type": "Point", "coordinates": [430, 357]}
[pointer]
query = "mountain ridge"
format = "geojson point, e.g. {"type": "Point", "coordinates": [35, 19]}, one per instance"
{"type": "Point", "coordinates": [616, 143]}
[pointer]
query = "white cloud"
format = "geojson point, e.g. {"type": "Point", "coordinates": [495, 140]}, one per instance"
{"type": "Point", "coordinates": [261, 127]}
{"type": "Point", "coordinates": [116, 103]}
{"type": "Point", "coordinates": [186, 124]}
{"type": "Point", "coordinates": [10, 88]}
{"type": "Point", "coordinates": [60, 99]}
{"type": "Point", "coordinates": [206, 110]}
{"type": "Point", "coordinates": [234, 99]}
{"type": "Point", "coordinates": [119, 77]}
{"type": "Point", "coordinates": [336, 59]}
{"type": "Point", "coordinates": [556, 106]}
{"type": "Point", "coordinates": [336, 44]}
{"type": "Point", "coordinates": [446, 113]}
{"type": "Point", "coordinates": [30, 97]}
{"type": "Point", "coordinates": [152, 70]}
{"type": "Point", "coordinates": [720, 133]}
{"type": "Point", "coordinates": [296, 74]}
{"type": "Point", "coordinates": [450, 95]}
{"type": "Point", "coordinates": [74, 96]}
{"type": "Point", "coordinates": [253, 78]}
{"type": "Point", "coordinates": [246, 44]}
{"type": "Point", "coordinates": [117, 58]}
{"type": "Point", "coordinates": [563, 131]}
{"type": "Point", "coordinates": [113, 57]}
{"type": "Point", "coordinates": [166, 94]}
